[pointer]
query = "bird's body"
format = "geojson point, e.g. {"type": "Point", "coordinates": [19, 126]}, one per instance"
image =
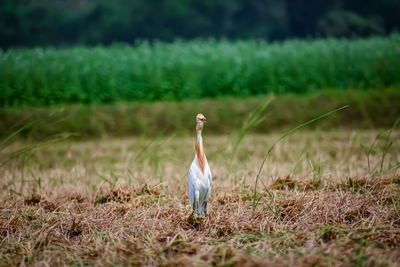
{"type": "Point", "coordinates": [200, 178]}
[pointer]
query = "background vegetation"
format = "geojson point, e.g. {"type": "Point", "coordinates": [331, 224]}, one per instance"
{"type": "Point", "coordinates": [368, 109]}
{"type": "Point", "coordinates": [195, 69]}
{"type": "Point", "coordinates": [92, 22]}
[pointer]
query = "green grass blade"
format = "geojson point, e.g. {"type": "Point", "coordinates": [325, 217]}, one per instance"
{"type": "Point", "coordinates": [3, 142]}
{"type": "Point", "coordinates": [287, 133]}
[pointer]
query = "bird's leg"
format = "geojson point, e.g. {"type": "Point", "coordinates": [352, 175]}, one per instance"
{"type": "Point", "coordinates": [198, 209]}
{"type": "Point", "coordinates": [205, 208]}
{"type": "Point", "coordinates": [196, 202]}
{"type": "Point", "coordinates": [195, 206]}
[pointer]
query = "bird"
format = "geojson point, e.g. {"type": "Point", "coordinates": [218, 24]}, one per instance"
{"type": "Point", "coordinates": [199, 178]}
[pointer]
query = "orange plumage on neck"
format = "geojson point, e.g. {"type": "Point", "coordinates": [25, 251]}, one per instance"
{"type": "Point", "coordinates": [201, 157]}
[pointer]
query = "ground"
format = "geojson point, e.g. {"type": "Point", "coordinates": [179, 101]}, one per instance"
{"type": "Point", "coordinates": [324, 198]}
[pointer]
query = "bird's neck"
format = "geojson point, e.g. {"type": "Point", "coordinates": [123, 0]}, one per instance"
{"type": "Point", "coordinates": [201, 157]}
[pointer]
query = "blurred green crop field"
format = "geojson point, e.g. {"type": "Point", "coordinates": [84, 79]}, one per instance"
{"type": "Point", "coordinates": [195, 69]}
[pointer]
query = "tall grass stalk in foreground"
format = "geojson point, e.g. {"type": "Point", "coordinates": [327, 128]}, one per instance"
{"type": "Point", "coordinates": [254, 119]}
{"type": "Point", "coordinates": [388, 142]}
{"type": "Point", "coordinates": [287, 133]}
{"type": "Point", "coordinates": [24, 154]}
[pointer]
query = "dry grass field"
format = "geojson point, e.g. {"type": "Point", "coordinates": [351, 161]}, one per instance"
{"type": "Point", "coordinates": [325, 198]}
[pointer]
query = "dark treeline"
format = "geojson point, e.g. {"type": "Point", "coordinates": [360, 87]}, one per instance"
{"type": "Point", "coordinates": [66, 22]}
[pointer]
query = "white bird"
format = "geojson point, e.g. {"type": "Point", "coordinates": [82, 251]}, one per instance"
{"type": "Point", "coordinates": [200, 178]}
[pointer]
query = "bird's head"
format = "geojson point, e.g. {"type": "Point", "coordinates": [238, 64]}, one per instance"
{"type": "Point", "coordinates": [200, 120]}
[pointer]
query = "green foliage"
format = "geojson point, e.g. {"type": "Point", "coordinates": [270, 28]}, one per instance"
{"type": "Point", "coordinates": [195, 69]}
{"type": "Point", "coordinates": [67, 22]}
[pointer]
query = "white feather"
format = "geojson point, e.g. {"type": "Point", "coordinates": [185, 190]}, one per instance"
{"type": "Point", "coordinates": [199, 187]}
